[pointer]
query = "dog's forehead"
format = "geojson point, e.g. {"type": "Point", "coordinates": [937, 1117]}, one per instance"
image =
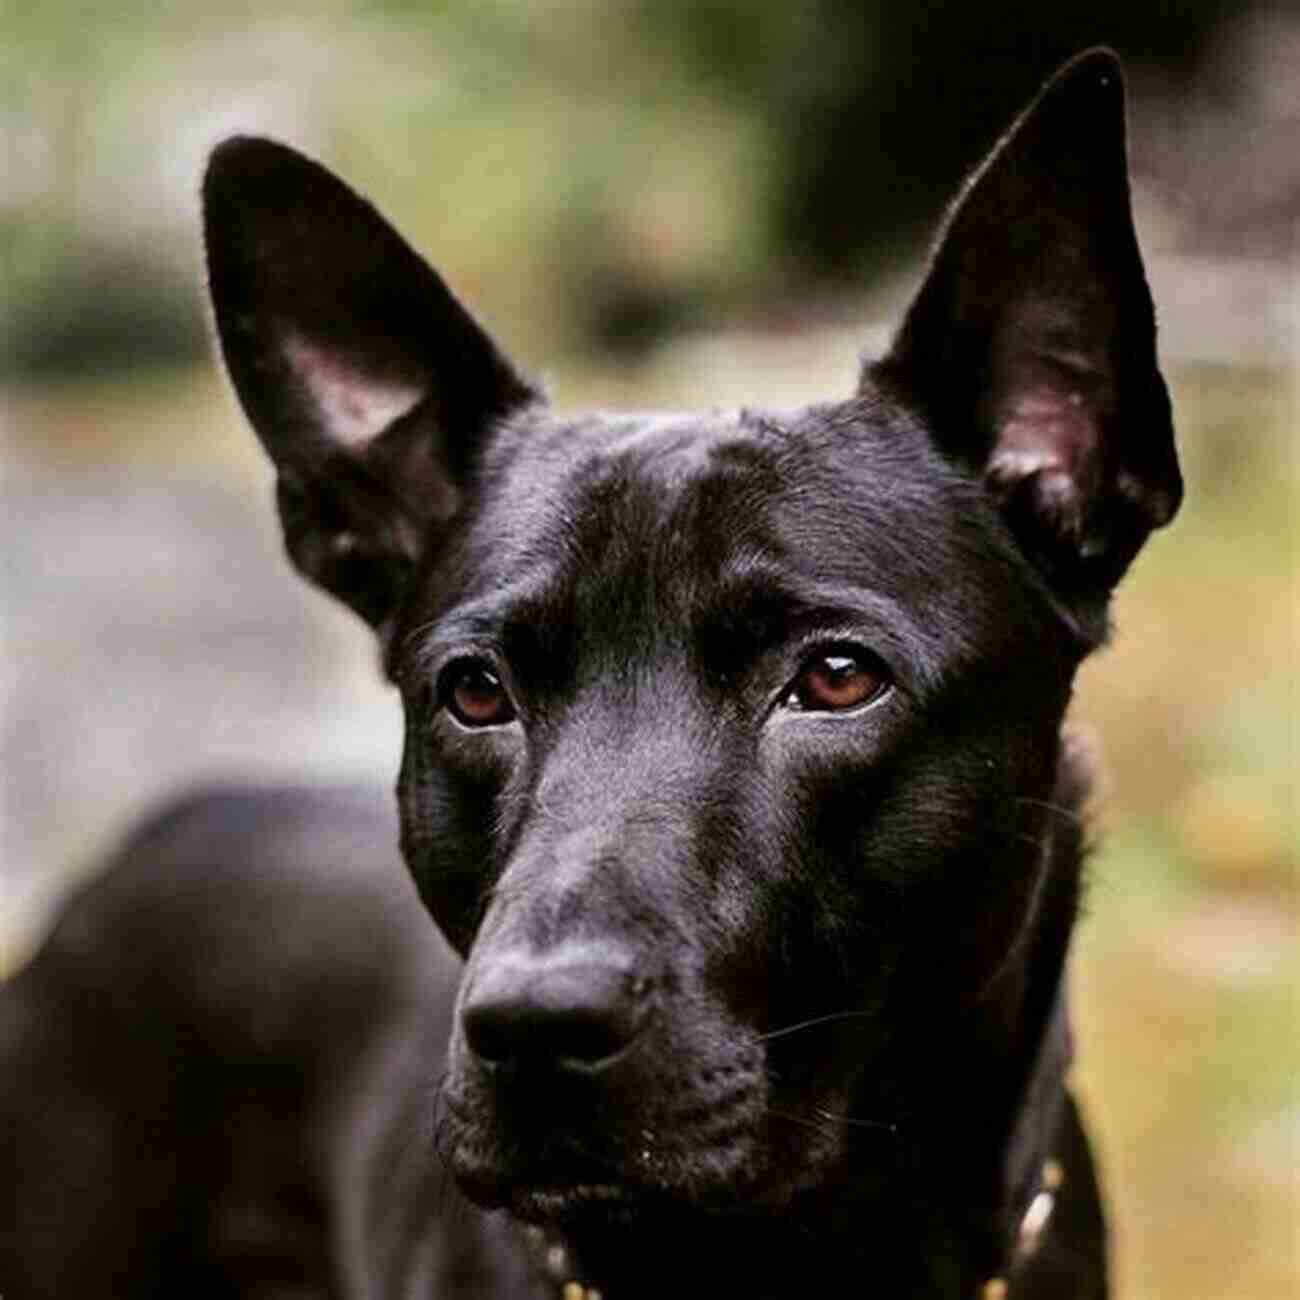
{"type": "Point", "coordinates": [849, 488]}
{"type": "Point", "coordinates": [658, 519]}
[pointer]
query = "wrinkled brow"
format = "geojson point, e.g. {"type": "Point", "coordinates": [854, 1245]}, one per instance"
{"type": "Point", "coordinates": [748, 616]}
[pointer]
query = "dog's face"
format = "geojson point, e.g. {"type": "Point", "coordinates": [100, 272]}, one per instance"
{"type": "Point", "coordinates": [699, 709]}
{"type": "Point", "coordinates": [730, 738]}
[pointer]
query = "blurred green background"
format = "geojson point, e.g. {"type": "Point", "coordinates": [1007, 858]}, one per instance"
{"type": "Point", "coordinates": [674, 204]}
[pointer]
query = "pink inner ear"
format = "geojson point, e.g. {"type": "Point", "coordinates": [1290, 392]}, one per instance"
{"type": "Point", "coordinates": [1048, 411]}
{"type": "Point", "coordinates": [355, 403]}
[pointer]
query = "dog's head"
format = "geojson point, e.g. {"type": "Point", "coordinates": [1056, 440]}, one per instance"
{"type": "Point", "coordinates": [731, 738]}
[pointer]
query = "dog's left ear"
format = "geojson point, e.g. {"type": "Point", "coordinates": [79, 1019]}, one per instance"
{"type": "Point", "coordinates": [1031, 348]}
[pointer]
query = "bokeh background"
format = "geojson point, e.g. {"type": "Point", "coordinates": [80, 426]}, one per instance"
{"type": "Point", "coordinates": [654, 202]}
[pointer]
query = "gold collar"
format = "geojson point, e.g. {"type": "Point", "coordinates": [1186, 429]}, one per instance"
{"type": "Point", "coordinates": [1033, 1226]}
{"type": "Point", "coordinates": [555, 1261]}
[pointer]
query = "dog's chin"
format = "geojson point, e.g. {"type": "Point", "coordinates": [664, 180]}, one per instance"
{"type": "Point", "coordinates": [556, 1202]}
{"type": "Point", "coordinates": [718, 1183]}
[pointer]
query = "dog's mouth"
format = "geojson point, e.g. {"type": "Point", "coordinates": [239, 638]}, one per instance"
{"type": "Point", "coordinates": [556, 1192]}
{"type": "Point", "coordinates": [560, 1164]}
{"type": "Point", "coordinates": [538, 1188]}
{"type": "Point", "coordinates": [567, 1203]}
{"type": "Point", "coordinates": [611, 1204]}
{"type": "Point", "coordinates": [561, 1179]}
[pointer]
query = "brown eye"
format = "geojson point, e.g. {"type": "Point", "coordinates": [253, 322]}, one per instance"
{"type": "Point", "coordinates": [835, 682]}
{"type": "Point", "coordinates": [475, 696]}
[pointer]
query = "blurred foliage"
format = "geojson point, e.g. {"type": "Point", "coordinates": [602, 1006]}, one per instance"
{"type": "Point", "coordinates": [1188, 963]}
{"type": "Point", "coordinates": [641, 163]}
{"type": "Point", "coordinates": [78, 304]}
{"type": "Point", "coordinates": [871, 110]}
{"type": "Point", "coordinates": [1209, 678]}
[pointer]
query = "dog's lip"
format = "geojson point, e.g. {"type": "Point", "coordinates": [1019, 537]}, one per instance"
{"type": "Point", "coordinates": [545, 1199]}
{"type": "Point", "coordinates": [543, 1194]}
{"type": "Point", "coordinates": [555, 1202]}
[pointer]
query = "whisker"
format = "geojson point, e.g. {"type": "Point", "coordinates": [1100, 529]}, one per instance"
{"type": "Point", "coordinates": [849, 1121]}
{"type": "Point", "coordinates": [802, 1120]}
{"type": "Point", "coordinates": [825, 1121]}
{"type": "Point", "coordinates": [1067, 814]}
{"type": "Point", "coordinates": [816, 1020]}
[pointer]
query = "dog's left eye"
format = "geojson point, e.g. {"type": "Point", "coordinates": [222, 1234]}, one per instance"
{"type": "Point", "coordinates": [832, 683]}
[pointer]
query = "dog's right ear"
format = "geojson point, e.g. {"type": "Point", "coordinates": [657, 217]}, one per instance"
{"type": "Point", "coordinates": [369, 385]}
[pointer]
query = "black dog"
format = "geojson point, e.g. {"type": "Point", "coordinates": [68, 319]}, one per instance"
{"type": "Point", "coordinates": [733, 769]}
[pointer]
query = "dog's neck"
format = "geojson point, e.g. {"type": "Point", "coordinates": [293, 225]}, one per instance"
{"type": "Point", "coordinates": [982, 1164]}
{"type": "Point", "coordinates": [952, 1205]}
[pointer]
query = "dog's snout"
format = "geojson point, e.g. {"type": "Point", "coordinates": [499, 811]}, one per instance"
{"type": "Point", "coordinates": [576, 1010]}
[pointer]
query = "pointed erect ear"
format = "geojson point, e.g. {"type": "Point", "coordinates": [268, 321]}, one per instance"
{"type": "Point", "coordinates": [369, 385]}
{"type": "Point", "coordinates": [1030, 347]}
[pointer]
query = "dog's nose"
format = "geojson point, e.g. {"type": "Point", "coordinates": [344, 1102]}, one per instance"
{"type": "Point", "coordinates": [576, 1009]}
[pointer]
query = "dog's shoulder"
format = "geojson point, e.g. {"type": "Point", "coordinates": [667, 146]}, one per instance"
{"type": "Point", "coordinates": [191, 892]}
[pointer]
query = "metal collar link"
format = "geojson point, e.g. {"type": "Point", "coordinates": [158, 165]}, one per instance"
{"type": "Point", "coordinates": [1033, 1226]}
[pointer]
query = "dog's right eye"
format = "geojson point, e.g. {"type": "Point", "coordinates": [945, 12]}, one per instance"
{"type": "Point", "coordinates": [474, 695]}
{"type": "Point", "coordinates": [838, 681]}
